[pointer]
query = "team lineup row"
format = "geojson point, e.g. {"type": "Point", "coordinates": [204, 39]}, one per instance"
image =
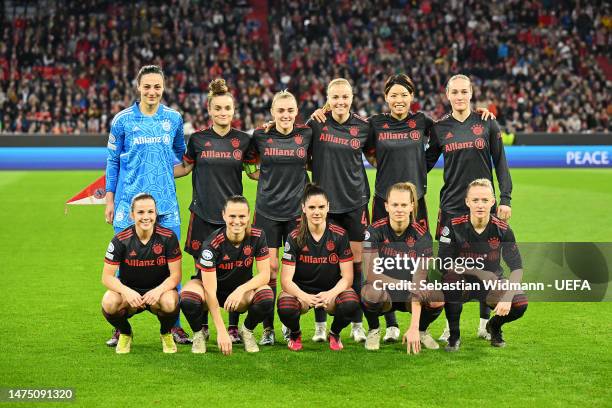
{"type": "Point", "coordinates": [403, 146]}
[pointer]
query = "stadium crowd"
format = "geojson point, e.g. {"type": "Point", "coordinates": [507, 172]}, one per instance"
{"type": "Point", "coordinates": [538, 65]}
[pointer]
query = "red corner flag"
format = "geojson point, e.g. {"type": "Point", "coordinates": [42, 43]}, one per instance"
{"type": "Point", "coordinates": [92, 194]}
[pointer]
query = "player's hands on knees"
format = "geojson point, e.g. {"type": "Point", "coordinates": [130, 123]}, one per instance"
{"type": "Point", "coordinates": [310, 300]}
{"type": "Point", "coordinates": [152, 296]}
{"type": "Point", "coordinates": [412, 340]}
{"type": "Point", "coordinates": [109, 213]}
{"type": "Point", "coordinates": [504, 212]}
{"type": "Point", "coordinates": [224, 342]}
{"type": "Point", "coordinates": [325, 298]}
{"type": "Point", "coordinates": [133, 298]}
{"type": "Point", "coordinates": [485, 113]}
{"type": "Point", "coordinates": [233, 300]}
{"type": "Point", "coordinates": [503, 308]}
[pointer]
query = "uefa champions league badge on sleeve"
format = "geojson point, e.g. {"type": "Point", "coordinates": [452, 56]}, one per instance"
{"type": "Point", "coordinates": [366, 236]}
{"type": "Point", "coordinates": [110, 248]}
{"type": "Point", "coordinates": [207, 254]}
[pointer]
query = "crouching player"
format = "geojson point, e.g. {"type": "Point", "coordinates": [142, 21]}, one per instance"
{"type": "Point", "coordinates": [226, 279]}
{"type": "Point", "coordinates": [396, 286]}
{"type": "Point", "coordinates": [484, 238]}
{"type": "Point", "coordinates": [317, 271]}
{"type": "Point", "coordinates": [149, 261]}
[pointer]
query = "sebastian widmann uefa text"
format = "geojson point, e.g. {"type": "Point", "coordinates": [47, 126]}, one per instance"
{"type": "Point", "coordinates": [459, 265]}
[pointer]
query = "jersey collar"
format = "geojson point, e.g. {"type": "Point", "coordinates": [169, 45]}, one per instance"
{"type": "Point", "coordinates": [138, 113]}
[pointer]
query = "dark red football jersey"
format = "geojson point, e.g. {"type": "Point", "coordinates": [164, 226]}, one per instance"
{"type": "Point", "coordinates": [337, 164]}
{"type": "Point", "coordinates": [234, 265]}
{"type": "Point", "coordinates": [217, 171]}
{"type": "Point", "coordinates": [458, 239]}
{"type": "Point", "coordinates": [143, 266]}
{"type": "Point", "coordinates": [399, 146]}
{"type": "Point", "coordinates": [282, 172]}
{"type": "Point", "coordinates": [471, 149]}
{"type": "Point", "coordinates": [317, 264]}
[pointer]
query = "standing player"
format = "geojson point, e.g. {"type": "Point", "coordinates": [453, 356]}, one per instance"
{"type": "Point", "coordinates": [145, 141]}
{"type": "Point", "coordinates": [471, 147]}
{"type": "Point", "coordinates": [337, 167]}
{"type": "Point", "coordinates": [215, 155]}
{"type": "Point", "coordinates": [225, 279]}
{"type": "Point", "coordinates": [317, 271]}
{"type": "Point", "coordinates": [148, 258]}
{"type": "Point", "coordinates": [481, 235]}
{"type": "Point", "coordinates": [399, 235]}
{"type": "Point", "coordinates": [282, 154]}
{"type": "Point", "coordinates": [396, 147]}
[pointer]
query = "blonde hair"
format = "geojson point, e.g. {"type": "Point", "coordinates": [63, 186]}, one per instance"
{"type": "Point", "coordinates": [406, 186]}
{"type": "Point", "coordinates": [334, 82]}
{"type": "Point", "coordinates": [339, 81]}
{"type": "Point", "coordinates": [459, 76]}
{"type": "Point", "coordinates": [284, 94]}
{"type": "Point", "coordinates": [481, 182]}
{"type": "Point", "coordinates": [218, 87]}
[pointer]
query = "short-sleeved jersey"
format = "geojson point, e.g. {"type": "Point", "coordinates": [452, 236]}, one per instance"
{"type": "Point", "coordinates": [317, 264]}
{"type": "Point", "coordinates": [142, 151]}
{"type": "Point", "coordinates": [414, 242]}
{"type": "Point", "coordinates": [468, 148]}
{"type": "Point", "coordinates": [233, 264]}
{"type": "Point", "coordinates": [459, 240]}
{"type": "Point", "coordinates": [217, 171]}
{"type": "Point", "coordinates": [141, 265]}
{"type": "Point", "coordinates": [282, 172]}
{"type": "Point", "coordinates": [400, 150]}
{"type": "Point", "coordinates": [337, 164]}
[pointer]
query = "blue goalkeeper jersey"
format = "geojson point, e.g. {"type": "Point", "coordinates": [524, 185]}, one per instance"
{"type": "Point", "coordinates": [142, 151]}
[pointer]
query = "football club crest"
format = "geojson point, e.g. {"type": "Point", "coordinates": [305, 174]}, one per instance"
{"type": "Point", "coordinates": [411, 123]}
{"type": "Point", "coordinates": [330, 245]}
{"type": "Point", "coordinates": [166, 125]}
{"type": "Point", "coordinates": [477, 129]}
{"type": "Point", "coordinates": [195, 245]}
{"type": "Point", "coordinates": [235, 143]}
{"type": "Point", "coordinates": [157, 249]}
{"type": "Point", "coordinates": [410, 241]}
{"type": "Point", "coordinates": [354, 131]}
{"type": "Point", "coordinates": [494, 242]}
{"type": "Point", "coordinates": [247, 250]}
{"type": "Point", "coordinates": [298, 139]}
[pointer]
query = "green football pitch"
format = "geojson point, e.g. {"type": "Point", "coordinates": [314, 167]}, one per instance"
{"type": "Point", "coordinates": [53, 333]}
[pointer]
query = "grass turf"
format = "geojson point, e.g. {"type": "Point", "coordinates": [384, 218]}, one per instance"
{"type": "Point", "coordinates": [53, 332]}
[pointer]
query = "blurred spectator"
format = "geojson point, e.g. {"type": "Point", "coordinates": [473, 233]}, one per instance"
{"type": "Point", "coordinates": [69, 67]}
